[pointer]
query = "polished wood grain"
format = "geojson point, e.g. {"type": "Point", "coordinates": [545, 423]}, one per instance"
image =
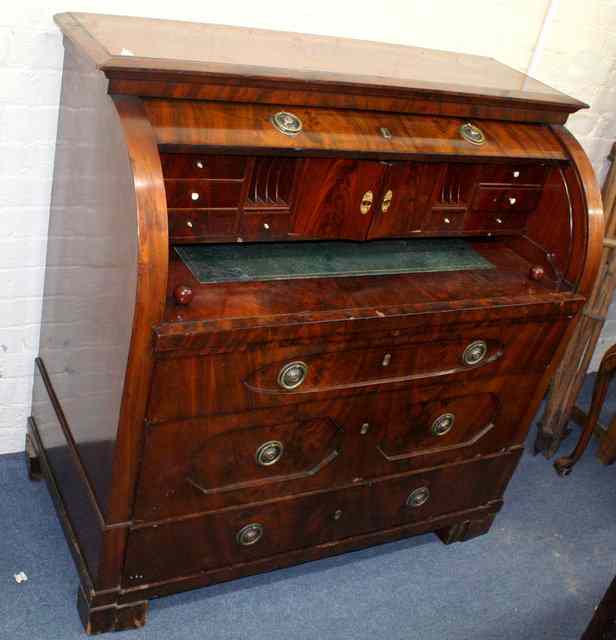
{"type": "Point", "coordinates": [202, 61]}
{"type": "Point", "coordinates": [232, 126]}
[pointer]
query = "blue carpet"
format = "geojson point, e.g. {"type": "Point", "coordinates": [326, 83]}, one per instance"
{"type": "Point", "coordinates": [539, 573]}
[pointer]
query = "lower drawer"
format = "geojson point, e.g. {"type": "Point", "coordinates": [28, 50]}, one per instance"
{"type": "Point", "coordinates": [167, 551]}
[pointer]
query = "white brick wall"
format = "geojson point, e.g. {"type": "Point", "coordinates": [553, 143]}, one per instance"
{"type": "Point", "coordinates": [573, 50]}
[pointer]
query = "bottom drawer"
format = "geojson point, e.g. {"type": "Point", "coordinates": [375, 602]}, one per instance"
{"type": "Point", "coordinates": [239, 535]}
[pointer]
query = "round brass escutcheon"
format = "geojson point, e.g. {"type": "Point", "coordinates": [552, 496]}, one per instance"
{"type": "Point", "coordinates": [269, 453]}
{"type": "Point", "coordinates": [250, 534]}
{"type": "Point", "coordinates": [475, 352]}
{"type": "Point", "coordinates": [443, 424]}
{"type": "Point", "coordinates": [292, 375]}
{"type": "Point", "coordinates": [418, 497]}
{"type": "Point", "coordinates": [287, 123]}
{"type": "Point", "coordinates": [472, 133]}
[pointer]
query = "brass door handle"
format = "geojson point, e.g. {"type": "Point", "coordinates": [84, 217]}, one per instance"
{"type": "Point", "coordinates": [366, 202]}
{"type": "Point", "coordinates": [387, 200]}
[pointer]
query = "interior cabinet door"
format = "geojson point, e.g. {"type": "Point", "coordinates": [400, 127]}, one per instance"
{"type": "Point", "coordinates": [404, 201]}
{"type": "Point", "coordinates": [397, 201]}
{"type": "Point", "coordinates": [337, 198]}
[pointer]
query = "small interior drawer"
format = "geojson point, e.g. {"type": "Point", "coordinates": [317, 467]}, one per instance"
{"type": "Point", "coordinates": [202, 194]}
{"type": "Point", "coordinates": [202, 166]}
{"type": "Point", "coordinates": [495, 222]}
{"type": "Point", "coordinates": [264, 225]}
{"type": "Point", "coordinates": [445, 220]}
{"type": "Point", "coordinates": [498, 199]}
{"type": "Point", "coordinates": [513, 174]}
{"type": "Point", "coordinates": [191, 225]}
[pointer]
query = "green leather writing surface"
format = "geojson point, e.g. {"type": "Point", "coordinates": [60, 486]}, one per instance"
{"type": "Point", "coordinates": [291, 260]}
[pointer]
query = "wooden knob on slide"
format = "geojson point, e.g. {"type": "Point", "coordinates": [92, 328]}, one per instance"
{"type": "Point", "coordinates": [536, 273]}
{"type": "Point", "coordinates": [183, 294]}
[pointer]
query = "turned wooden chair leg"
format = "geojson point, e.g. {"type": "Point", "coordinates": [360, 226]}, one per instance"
{"type": "Point", "coordinates": [607, 369]}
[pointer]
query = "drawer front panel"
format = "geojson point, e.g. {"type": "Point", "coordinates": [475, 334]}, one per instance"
{"type": "Point", "coordinates": [202, 166]}
{"type": "Point", "coordinates": [240, 535]}
{"type": "Point", "coordinates": [241, 381]}
{"type": "Point", "coordinates": [202, 194]}
{"type": "Point", "coordinates": [265, 225]}
{"type": "Point", "coordinates": [495, 222]}
{"type": "Point", "coordinates": [205, 464]}
{"type": "Point", "coordinates": [513, 174]}
{"type": "Point", "coordinates": [193, 225]}
{"type": "Point", "coordinates": [506, 200]}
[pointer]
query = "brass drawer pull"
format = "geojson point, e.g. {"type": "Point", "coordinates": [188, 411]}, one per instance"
{"type": "Point", "coordinates": [249, 534]}
{"type": "Point", "coordinates": [292, 375]}
{"type": "Point", "coordinates": [418, 497]}
{"type": "Point", "coordinates": [475, 352]}
{"type": "Point", "coordinates": [387, 201]}
{"type": "Point", "coordinates": [287, 123]}
{"type": "Point", "coordinates": [366, 202]}
{"type": "Point", "coordinates": [269, 453]}
{"type": "Point", "coordinates": [472, 133]}
{"type": "Point", "coordinates": [443, 424]}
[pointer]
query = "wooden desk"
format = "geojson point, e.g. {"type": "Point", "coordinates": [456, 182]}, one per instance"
{"type": "Point", "coordinates": [193, 431]}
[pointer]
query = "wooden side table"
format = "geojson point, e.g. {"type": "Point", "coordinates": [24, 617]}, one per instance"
{"type": "Point", "coordinates": [607, 452]}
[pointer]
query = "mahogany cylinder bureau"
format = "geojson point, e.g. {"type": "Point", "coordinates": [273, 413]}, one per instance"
{"type": "Point", "coordinates": [303, 295]}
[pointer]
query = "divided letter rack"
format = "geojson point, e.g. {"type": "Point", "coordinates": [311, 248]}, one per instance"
{"type": "Point", "coordinates": [303, 295]}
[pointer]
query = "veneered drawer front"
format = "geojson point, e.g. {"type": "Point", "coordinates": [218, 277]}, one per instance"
{"type": "Point", "coordinates": [506, 200]}
{"type": "Point", "coordinates": [265, 225]}
{"type": "Point", "coordinates": [193, 225]}
{"type": "Point", "coordinates": [202, 194]}
{"type": "Point", "coordinates": [202, 166]}
{"type": "Point", "coordinates": [495, 222]}
{"type": "Point", "coordinates": [245, 380]}
{"type": "Point", "coordinates": [205, 464]}
{"type": "Point", "coordinates": [239, 535]}
{"type": "Point", "coordinates": [514, 174]}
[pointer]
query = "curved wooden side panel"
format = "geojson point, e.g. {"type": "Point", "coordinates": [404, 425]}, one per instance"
{"type": "Point", "coordinates": [152, 262]}
{"type": "Point", "coordinates": [88, 303]}
{"type": "Point", "coordinates": [585, 197]}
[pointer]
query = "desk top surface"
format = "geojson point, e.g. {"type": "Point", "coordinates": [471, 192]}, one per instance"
{"type": "Point", "coordinates": [143, 46]}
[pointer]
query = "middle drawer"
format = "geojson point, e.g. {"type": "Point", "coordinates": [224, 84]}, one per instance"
{"type": "Point", "coordinates": [203, 464]}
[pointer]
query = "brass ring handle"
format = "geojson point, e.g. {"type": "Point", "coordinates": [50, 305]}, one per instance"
{"type": "Point", "coordinates": [287, 123]}
{"type": "Point", "coordinates": [249, 534]}
{"type": "Point", "coordinates": [269, 453]}
{"type": "Point", "coordinates": [292, 375]}
{"type": "Point", "coordinates": [471, 133]}
{"type": "Point", "coordinates": [443, 424]}
{"type": "Point", "coordinates": [475, 352]}
{"type": "Point", "coordinates": [418, 497]}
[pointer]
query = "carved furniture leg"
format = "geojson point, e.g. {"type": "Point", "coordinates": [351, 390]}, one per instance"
{"type": "Point", "coordinates": [466, 530]}
{"type": "Point", "coordinates": [607, 369]}
{"type": "Point", "coordinates": [110, 618]}
{"type": "Point", "coordinates": [33, 462]}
